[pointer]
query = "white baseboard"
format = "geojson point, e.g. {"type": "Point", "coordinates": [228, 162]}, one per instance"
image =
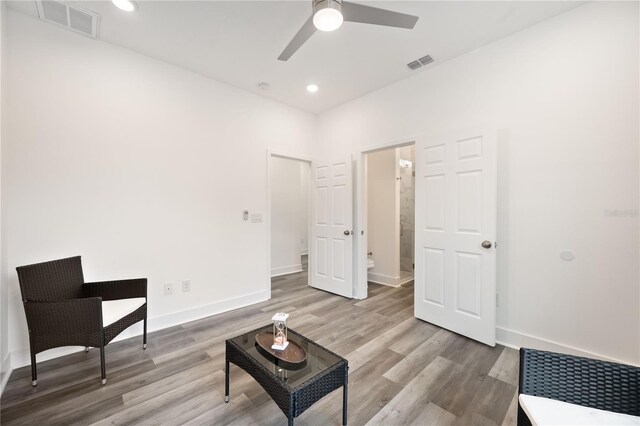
{"type": "Point", "coordinates": [406, 279]}
{"type": "Point", "coordinates": [516, 340]}
{"type": "Point", "coordinates": [384, 279]}
{"type": "Point", "coordinates": [204, 311]}
{"type": "Point", "coordinates": [284, 270]}
{"type": "Point", "coordinates": [304, 252]}
{"type": "Point", "coordinates": [21, 358]}
{"type": "Point", "coordinates": [5, 371]}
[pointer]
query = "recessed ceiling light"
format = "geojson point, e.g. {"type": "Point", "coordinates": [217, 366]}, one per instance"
{"type": "Point", "coordinates": [126, 5]}
{"type": "Point", "coordinates": [312, 88]}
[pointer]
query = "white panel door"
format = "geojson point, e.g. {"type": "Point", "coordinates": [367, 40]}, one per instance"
{"type": "Point", "coordinates": [331, 227]}
{"type": "Point", "coordinates": [456, 202]}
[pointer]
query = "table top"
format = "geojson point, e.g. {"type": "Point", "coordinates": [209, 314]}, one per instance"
{"type": "Point", "coordinates": [544, 412]}
{"type": "Point", "coordinates": [319, 359]}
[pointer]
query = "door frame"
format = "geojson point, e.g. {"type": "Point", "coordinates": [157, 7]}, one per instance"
{"type": "Point", "coordinates": [295, 157]}
{"type": "Point", "coordinates": [360, 286]}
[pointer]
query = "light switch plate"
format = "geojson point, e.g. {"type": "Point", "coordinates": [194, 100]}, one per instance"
{"type": "Point", "coordinates": [256, 218]}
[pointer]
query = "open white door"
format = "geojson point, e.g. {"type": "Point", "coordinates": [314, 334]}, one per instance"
{"type": "Point", "coordinates": [456, 202]}
{"type": "Point", "coordinates": [331, 227]}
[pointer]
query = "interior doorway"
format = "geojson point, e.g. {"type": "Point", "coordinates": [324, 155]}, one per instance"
{"type": "Point", "coordinates": [389, 176]}
{"type": "Point", "coordinates": [289, 208]}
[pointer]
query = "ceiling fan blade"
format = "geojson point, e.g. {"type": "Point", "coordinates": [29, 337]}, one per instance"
{"type": "Point", "coordinates": [354, 12]}
{"type": "Point", "coordinates": [298, 40]}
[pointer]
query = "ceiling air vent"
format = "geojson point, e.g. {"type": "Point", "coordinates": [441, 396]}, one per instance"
{"type": "Point", "coordinates": [69, 16]}
{"type": "Point", "coordinates": [414, 65]}
{"type": "Point", "coordinates": [420, 62]}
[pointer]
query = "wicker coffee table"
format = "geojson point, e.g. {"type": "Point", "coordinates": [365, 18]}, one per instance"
{"type": "Point", "coordinates": [293, 387]}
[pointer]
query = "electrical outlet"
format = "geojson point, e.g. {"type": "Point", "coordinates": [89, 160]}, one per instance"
{"type": "Point", "coordinates": [168, 289]}
{"type": "Point", "coordinates": [186, 286]}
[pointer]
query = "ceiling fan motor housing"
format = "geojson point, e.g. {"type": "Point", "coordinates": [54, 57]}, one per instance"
{"type": "Point", "coordinates": [327, 4]}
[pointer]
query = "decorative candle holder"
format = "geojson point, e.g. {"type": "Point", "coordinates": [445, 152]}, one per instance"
{"type": "Point", "coordinates": [280, 337]}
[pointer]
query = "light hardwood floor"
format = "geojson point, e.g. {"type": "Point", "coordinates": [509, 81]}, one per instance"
{"type": "Point", "coordinates": [402, 370]}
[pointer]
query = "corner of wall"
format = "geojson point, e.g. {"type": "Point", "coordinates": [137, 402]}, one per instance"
{"type": "Point", "coordinates": [5, 359]}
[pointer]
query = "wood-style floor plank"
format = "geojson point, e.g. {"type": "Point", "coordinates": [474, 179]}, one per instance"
{"type": "Point", "coordinates": [506, 367]}
{"type": "Point", "coordinates": [402, 370]}
{"type": "Point", "coordinates": [405, 407]}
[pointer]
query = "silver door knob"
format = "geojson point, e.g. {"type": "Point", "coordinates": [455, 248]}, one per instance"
{"type": "Point", "coordinates": [486, 244]}
{"type": "Point", "coordinates": [347, 232]}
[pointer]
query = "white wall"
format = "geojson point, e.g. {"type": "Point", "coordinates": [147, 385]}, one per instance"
{"type": "Point", "coordinates": [383, 216]}
{"type": "Point", "coordinates": [289, 214]}
{"type": "Point", "coordinates": [140, 167]}
{"type": "Point", "coordinates": [4, 329]}
{"type": "Point", "coordinates": [565, 95]}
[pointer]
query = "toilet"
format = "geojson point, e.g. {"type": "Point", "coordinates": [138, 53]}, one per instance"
{"type": "Point", "coordinates": [370, 263]}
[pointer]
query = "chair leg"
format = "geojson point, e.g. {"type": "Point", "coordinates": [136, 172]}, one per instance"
{"type": "Point", "coordinates": [144, 334]}
{"type": "Point", "coordinates": [34, 373]}
{"type": "Point", "coordinates": [103, 367]}
{"type": "Point", "coordinates": [86, 348]}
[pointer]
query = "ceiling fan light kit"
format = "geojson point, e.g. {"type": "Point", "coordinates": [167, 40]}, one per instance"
{"type": "Point", "coordinates": [327, 14]}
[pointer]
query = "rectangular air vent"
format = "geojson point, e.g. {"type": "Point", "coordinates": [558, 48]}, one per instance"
{"type": "Point", "coordinates": [414, 65]}
{"type": "Point", "coordinates": [69, 16]}
{"type": "Point", "coordinates": [425, 60]}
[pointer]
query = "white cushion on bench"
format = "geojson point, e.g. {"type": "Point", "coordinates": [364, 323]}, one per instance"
{"type": "Point", "coordinates": [114, 310]}
{"type": "Point", "coordinates": [545, 411]}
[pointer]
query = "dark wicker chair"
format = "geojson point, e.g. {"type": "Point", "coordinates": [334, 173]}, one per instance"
{"type": "Point", "coordinates": [63, 310]}
{"type": "Point", "coordinates": [577, 380]}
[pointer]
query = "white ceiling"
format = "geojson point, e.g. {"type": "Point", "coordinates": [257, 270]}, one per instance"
{"type": "Point", "coordinates": [237, 42]}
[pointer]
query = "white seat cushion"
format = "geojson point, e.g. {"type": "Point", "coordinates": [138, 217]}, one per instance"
{"type": "Point", "coordinates": [545, 411]}
{"type": "Point", "coordinates": [113, 310]}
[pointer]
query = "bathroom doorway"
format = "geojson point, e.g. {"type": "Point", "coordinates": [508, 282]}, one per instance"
{"type": "Point", "coordinates": [390, 215]}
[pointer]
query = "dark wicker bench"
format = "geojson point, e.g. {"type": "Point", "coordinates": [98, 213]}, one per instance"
{"type": "Point", "coordinates": [577, 380]}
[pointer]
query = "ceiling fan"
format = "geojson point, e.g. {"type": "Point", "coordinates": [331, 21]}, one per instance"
{"type": "Point", "coordinates": [328, 15]}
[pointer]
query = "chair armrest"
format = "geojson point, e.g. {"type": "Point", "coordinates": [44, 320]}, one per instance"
{"type": "Point", "coordinates": [583, 381]}
{"type": "Point", "coordinates": [118, 289]}
{"type": "Point", "coordinates": [74, 317]}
